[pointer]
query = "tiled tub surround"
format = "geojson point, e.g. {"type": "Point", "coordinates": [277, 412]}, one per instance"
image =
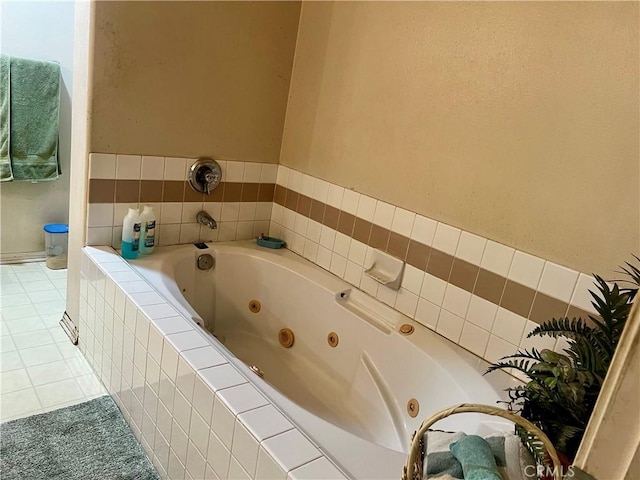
{"type": "Point", "coordinates": [241, 204]}
{"type": "Point", "coordinates": [196, 416]}
{"type": "Point", "coordinates": [195, 406]}
{"type": "Point", "coordinates": [478, 293]}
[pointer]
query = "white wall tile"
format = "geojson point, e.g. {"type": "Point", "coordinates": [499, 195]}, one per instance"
{"type": "Point", "coordinates": [508, 326]}
{"type": "Point", "coordinates": [320, 469]}
{"type": "Point", "coordinates": [498, 348]}
{"type": "Point", "coordinates": [497, 258]}
{"type": "Point", "coordinates": [202, 357]}
{"type": "Point", "coordinates": [424, 229]}
{"type": "Point", "coordinates": [350, 201]}
{"type": "Point", "coordinates": [353, 273]}
{"type": "Point", "coordinates": [310, 251]}
{"type": "Point", "coordinates": [450, 326]}
{"type": "Point", "coordinates": [223, 423]}
{"type": "Point", "coordinates": [526, 269]}
{"type": "Point", "coordinates": [383, 214]}
{"type": "Point", "coordinates": [174, 168]}
{"type": "Point", "coordinates": [403, 222]}
{"type": "Point", "coordinates": [152, 168]}
{"type": "Point", "coordinates": [195, 462]}
{"type": "Point", "coordinates": [581, 297]}
{"type": "Point", "coordinates": [222, 376]}
{"type": "Point", "coordinates": [320, 190]}
{"type": "Point", "coordinates": [406, 302]}
{"type": "Point", "coordinates": [433, 289]}
{"type": "Point", "coordinates": [474, 339]}
{"type": "Point", "coordinates": [558, 281]}
{"type": "Point", "coordinates": [99, 235]}
{"type": "Point", "coordinates": [203, 399]}
{"type": "Point", "coordinates": [338, 265]}
{"type": "Point", "coordinates": [308, 183]}
{"type": "Point", "coordinates": [269, 173]}
{"type": "Point", "coordinates": [102, 165]}
{"type": "Point", "coordinates": [282, 177]}
{"type": "Point", "coordinates": [481, 312]}
{"type": "Point", "coordinates": [366, 208]}
{"type": "Point", "coordinates": [182, 412]}
{"type": "Point", "coordinates": [230, 212]}
{"type": "Point", "coordinates": [267, 468]}
{"type": "Point", "coordinates": [412, 279]}
{"type": "Point", "coordinates": [470, 248]}
{"type": "Point", "coordinates": [100, 215]}
{"type": "Point", "coordinates": [241, 398]}
{"type": "Point", "coordinates": [227, 231]}
{"type": "Point", "coordinates": [171, 212]}
{"type": "Point", "coordinates": [427, 313]}
{"type": "Point", "coordinates": [334, 197]}
{"type": "Point", "coordinates": [234, 172]}
{"type": "Point", "coordinates": [265, 422]}
{"type": "Point", "coordinates": [456, 300]}
{"type": "Point", "coordinates": [169, 235]}
{"type": "Point", "coordinates": [128, 167]}
{"type": "Point", "coordinates": [263, 210]}
{"type": "Point", "coordinates": [199, 432]}
{"type": "Point", "coordinates": [252, 172]}
{"type": "Point", "coordinates": [446, 238]}
{"type": "Point", "coordinates": [245, 449]}
{"type": "Point", "coordinates": [295, 180]}
{"type": "Point", "coordinates": [291, 449]}
{"type": "Point", "coordinates": [218, 456]}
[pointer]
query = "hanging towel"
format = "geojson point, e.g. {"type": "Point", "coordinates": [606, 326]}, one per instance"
{"type": "Point", "coordinates": [5, 101]}
{"type": "Point", "coordinates": [34, 108]}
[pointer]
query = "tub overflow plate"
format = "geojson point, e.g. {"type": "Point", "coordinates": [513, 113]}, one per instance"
{"type": "Point", "coordinates": [205, 262]}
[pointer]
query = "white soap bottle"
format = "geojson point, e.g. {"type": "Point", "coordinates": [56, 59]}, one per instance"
{"type": "Point", "coordinates": [131, 234]}
{"type": "Point", "coordinates": [148, 236]}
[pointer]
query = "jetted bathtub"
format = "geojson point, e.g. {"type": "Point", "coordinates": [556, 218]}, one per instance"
{"type": "Point", "coordinates": [352, 398]}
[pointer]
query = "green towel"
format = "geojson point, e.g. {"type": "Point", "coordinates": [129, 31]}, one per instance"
{"type": "Point", "coordinates": [475, 456]}
{"type": "Point", "coordinates": [5, 159]}
{"type": "Point", "coordinates": [35, 107]}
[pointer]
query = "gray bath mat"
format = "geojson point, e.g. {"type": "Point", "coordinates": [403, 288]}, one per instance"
{"type": "Point", "coordinates": [87, 441]}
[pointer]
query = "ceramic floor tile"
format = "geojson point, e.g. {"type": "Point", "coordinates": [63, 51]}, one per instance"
{"type": "Point", "coordinates": [14, 380]}
{"type": "Point", "coordinates": [30, 276]}
{"type": "Point", "coordinates": [10, 361]}
{"type": "Point", "coordinates": [14, 300]}
{"type": "Point", "coordinates": [59, 392]}
{"type": "Point", "coordinates": [6, 344]}
{"type": "Point", "coordinates": [22, 311]}
{"type": "Point", "coordinates": [32, 339]}
{"type": "Point", "coordinates": [38, 286]}
{"type": "Point", "coordinates": [23, 325]}
{"type": "Point", "coordinates": [49, 373]}
{"type": "Point", "coordinates": [11, 288]}
{"type": "Point", "coordinates": [58, 334]}
{"type": "Point", "coordinates": [45, 296]}
{"type": "Point", "coordinates": [19, 403]}
{"type": "Point", "coordinates": [40, 355]}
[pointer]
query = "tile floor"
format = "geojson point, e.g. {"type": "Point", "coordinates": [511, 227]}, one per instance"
{"type": "Point", "coordinates": [40, 370]}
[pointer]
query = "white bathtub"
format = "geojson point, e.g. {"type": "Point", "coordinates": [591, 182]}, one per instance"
{"type": "Point", "coordinates": [350, 400]}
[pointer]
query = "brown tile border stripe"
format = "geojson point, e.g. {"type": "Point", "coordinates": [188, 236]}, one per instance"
{"type": "Point", "coordinates": [512, 296]}
{"type": "Point", "coordinates": [156, 191]}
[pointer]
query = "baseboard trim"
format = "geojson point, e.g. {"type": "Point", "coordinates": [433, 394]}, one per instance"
{"type": "Point", "coordinates": [8, 258]}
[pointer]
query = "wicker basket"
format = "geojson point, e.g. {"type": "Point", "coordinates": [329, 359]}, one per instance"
{"type": "Point", "coordinates": [413, 468]}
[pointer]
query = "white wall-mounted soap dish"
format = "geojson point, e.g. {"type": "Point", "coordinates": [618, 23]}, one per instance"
{"type": "Point", "coordinates": [385, 269]}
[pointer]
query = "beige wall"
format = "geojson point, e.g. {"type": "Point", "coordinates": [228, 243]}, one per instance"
{"type": "Point", "coordinates": [192, 78]}
{"type": "Point", "coordinates": [515, 121]}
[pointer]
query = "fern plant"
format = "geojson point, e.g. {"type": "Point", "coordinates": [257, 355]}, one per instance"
{"type": "Point", "coordinates": [563, 387]}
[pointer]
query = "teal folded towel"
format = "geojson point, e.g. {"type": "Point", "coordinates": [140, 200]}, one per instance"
{"type": "Point", "coordinates": [5, 99]}
{"type": "Point", "coordinates": [34, 115]}
{"type": "Point", "coordinates": [475, 456]}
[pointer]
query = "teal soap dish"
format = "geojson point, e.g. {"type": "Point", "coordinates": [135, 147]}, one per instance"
{"type": "Point", "coordinates": [270, 242]}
